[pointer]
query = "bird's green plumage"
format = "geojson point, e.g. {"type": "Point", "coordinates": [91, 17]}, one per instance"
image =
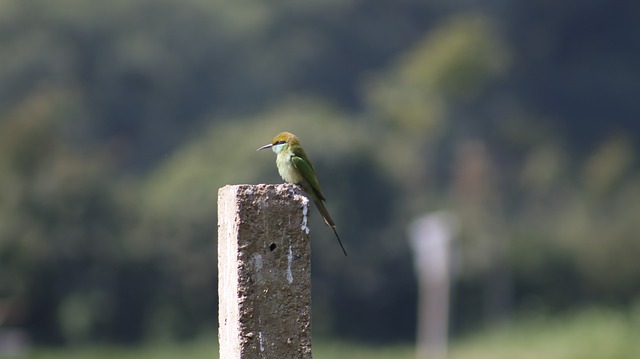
{"type": "Point", "coordinates": [305, 168]}
{"type": "Point", "coordinates": [312, 187]}
{"type": "Point", "coordinates": [295, 167]}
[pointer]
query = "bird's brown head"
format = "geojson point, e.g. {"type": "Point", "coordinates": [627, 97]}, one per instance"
{"type": "Point", "coordinates": [282, 140]}
{"type": "Point", "coordinates": [284, 137]}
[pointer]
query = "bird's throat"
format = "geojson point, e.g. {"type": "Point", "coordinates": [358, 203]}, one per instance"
{"type": "Point", "coordinates": [277, 148]}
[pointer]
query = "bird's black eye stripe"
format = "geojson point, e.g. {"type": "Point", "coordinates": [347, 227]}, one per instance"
{"type": "Point", "coordinates": [278, 142]}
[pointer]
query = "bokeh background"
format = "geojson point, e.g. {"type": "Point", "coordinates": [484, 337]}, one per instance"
{"type": "Point", "coordinates": [119, 121]}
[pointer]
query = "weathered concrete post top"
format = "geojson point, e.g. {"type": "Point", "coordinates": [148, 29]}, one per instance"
{"type": "Point", "coordinates": [264, 272]}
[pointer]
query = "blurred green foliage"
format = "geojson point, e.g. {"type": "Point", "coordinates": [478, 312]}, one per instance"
{"type": "Point", "coordinates": [120, 120]}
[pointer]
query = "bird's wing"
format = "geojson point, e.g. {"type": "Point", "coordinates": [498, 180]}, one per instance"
{"type": "Point", "coordinates": [305, 168]}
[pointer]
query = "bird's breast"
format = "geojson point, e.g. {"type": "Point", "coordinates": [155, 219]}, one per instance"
{"type": "Point", "coordinates": [286, 169]}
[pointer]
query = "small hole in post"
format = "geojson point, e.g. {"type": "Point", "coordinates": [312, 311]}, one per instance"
{"type": "Point", "coordinates": [272, 246]}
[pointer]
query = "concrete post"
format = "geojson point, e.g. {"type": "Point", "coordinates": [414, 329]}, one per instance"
{"type": "Point", "coordinates": [264, 272]}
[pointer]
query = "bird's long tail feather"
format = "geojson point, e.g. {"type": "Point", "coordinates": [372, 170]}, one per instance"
{"type": "Point", "coordinates": [339, 241]}
{"type": "Point", "coordinates": [329, 221]}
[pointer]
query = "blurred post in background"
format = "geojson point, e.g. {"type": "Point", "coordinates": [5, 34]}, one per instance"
{"type": "Point", "coordinates": [14, 341]}
{"type": "Point", "coordinates": [430, 237]}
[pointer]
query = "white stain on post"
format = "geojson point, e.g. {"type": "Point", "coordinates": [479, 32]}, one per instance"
{"type": "Point", "coordinates": [305, 216]}
{"type": "Point", "coordinates": [305, 209]}
{"type": "Point", "coordinates": [261, 341]}
{"type": "Point", "coordinates": [290, 260]}
{"type": "Point", "coordinates": [257, 258]}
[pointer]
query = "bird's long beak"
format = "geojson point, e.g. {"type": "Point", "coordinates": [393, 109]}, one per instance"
{"type": "Point", "coordinates": [265, 146]}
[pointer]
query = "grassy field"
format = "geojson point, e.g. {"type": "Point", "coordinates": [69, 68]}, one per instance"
{"type": "Point", "coordinates": [593, 334]}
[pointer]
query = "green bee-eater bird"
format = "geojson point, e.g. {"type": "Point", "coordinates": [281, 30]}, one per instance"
{"type": "Point", "coordinates": [294, 167]}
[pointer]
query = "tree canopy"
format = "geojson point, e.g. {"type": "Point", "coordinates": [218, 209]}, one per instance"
{"type": "Point", "coordinates": [120, 120]}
